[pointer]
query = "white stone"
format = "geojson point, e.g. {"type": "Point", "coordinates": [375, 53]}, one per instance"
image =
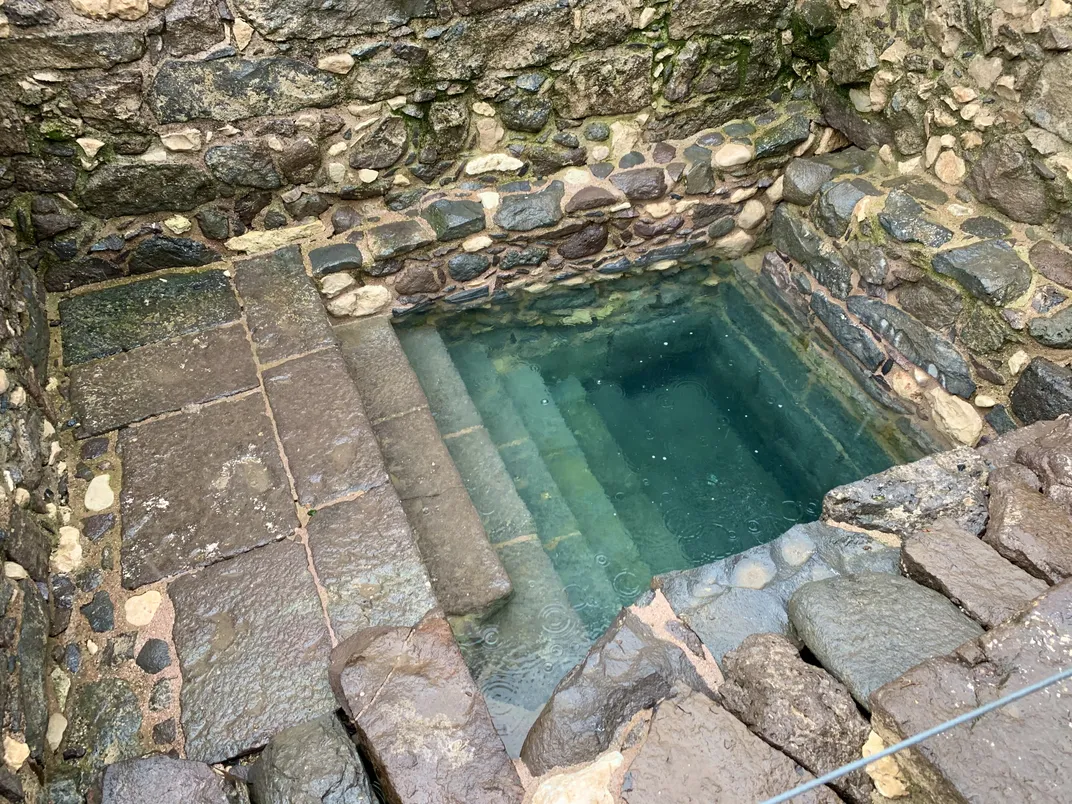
{"type": "Point", "coordinates": [733, 154]}
{"type": "Point", "coordinates": [742, 194]}
{"type": "Point", "coordinates": [99, 494]}
{"type": "Point", "coordinates": [336, 148]}
{"type": "Point", "coordinates": [367, 175]}
{"type": "Point", "coordinates": [984, 401]}
{"type": "Point", "coordinates": [984, 71]}
{"type": "Point", "coordinates": [17, 398]}
{"type": "Point", "coordinates": [189, 139]}
{"type": "Point", "coordinates": [964, 94]}
{"type": "Point", "coordinates": [752, 214]}
{"type": "Point", "coordinates": [363, 301]}
{"type": "Point", "coordinates": [1059, 8]}
{"type": "Point", "coordinates": [489, 199]}
{"type": "Point", "coordinates": [275, 144]}
{"type": "Point", "coordinates": [57, 725]}
{"type": "Point", "coordinates": [624, 136]}
{"type": "Point", "coordinates": [1018, 362]}
{"type": "Point", "coordinates": [775, 191]}
{"type": "Point", "coordinates": [242, 32]}
{"type": "Point", "coordinates": [334, 284]}
{"type": "Point", "coordinates": [954, 416]}
{"type": "Point", "coordinates": [949, 167]}
{"type": "Point", "coordinates": [930, 153]}
{"type": "Point", "coordinates": [600, 152]}
{"type": "Point", "coordinates": [155, 154]}
{"type": "Point", "coordinates": [179, 224]}
{"type": "Point", "coordinates": [16, 752]}
{"type": "Point", "coordinates": [4, 383]}
{"type": "Point", "coordinates": [885, 772]}
{"type": "Point", "coordinates": [577, 176]}
{"type": "Point", "coordinates": [488, 133]}
{"type": "Point", "coordinates": [269, 240]}
{"type": "Point", "coordinates": [736, 244]}
{"type": "Point", "coordinates": [646, 16]}
{"type": "Point", "coordinates": [140, 609]}
{"type": "Point", "coordinates": [795, 548]}
{"type": "Point", "coordinates": [396, 103]}
{"type": "Point", "coordinates": [336, 171]}
{"type": "Point", "coordinates": [910, 165]}
{"type": "Point", "coordinates": [493, 163]}
{"type": "Point", "coordinates": [476, 243]}
{"type": "Point", "coordinates": [90, 146]}
{"type": "Point", "coordinates": [659, 209]}
{"type": "Point", "coordinates": [14, 571]}
{"type": "Point", "coordinates": [67, 556]}
{"type": "Point", "coordinates": [861, 99]}
{"type": "Point", "coordinates": [753, 573]}
{"type": "Point", "coordinates": [484, 109]}
{"type": "Point", "coordinates": [588, 785]}
{"type": "Point", "coordinates": [339, 63]}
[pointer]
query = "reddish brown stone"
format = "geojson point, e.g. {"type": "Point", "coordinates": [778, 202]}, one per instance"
{"type": "Point", "coordinates": [420, 718]}
{"type": "Point", "coordinates": [1028, 528]}
{"type": "Point", "coordinates": [1052, 262]}
{"type": "Point", "coordinates": [199, 487]}
{"type": "Point", "coordinates": [590, 198]}
{"type": "Point", "coordinates": [328, 441]}
{"type": "Point", "coordinates": [161, 377]}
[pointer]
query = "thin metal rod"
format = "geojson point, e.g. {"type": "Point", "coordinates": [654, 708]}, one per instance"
{"type": "Point", "coordinates": [918, 738]}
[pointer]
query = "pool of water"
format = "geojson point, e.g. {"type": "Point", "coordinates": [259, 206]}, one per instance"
{"type": "Point", "coordinates": [643, 427]}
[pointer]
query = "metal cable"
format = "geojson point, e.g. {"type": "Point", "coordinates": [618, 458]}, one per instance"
{"type": "Point", "coordinates": [923, 735]}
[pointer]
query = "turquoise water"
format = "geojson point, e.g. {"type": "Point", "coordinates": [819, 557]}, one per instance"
{"type": "Point", "coordinates": [613, 433]}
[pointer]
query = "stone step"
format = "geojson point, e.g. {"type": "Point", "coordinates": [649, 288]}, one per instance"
{"type": "Point", "coordinates": [583, 493]}
{"type": "Point", "coordinates": [590, 591]}
{"type": "Point", "coordinates": [466, 572]}
{"type": "Point", "coordinates": [519, 653]}
{"type": "Point", "coordinates": [658, 547]}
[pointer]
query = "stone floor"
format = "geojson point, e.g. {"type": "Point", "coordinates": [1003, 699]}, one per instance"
{"type": "Point", "coordinates": [235, 496]}
{"type": "Point", "coordinates": [273, 529]}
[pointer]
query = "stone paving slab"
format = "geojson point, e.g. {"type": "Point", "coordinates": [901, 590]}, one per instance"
{"type": "Point", "coordinates": [199, 487]}
{"type": "Point", "coordinates": [420, 718]}
{"type": "Point", "coordinates": [368, 563]}
{"type": "Point", "coordinates": [283, 308]}
{"type": "Point", "coordinates": [466, 572]}
{"type": "Point", "coordinates": [1017, 753]}
{"type": "Point", "coordinates": [380, 368]}
{"type": "Point", "coordinates": [123, 317]}
{"type": "Point", "coordinates": [327, 438]}
{"type": "Point", "coordinates": [161, 377]}
{"type": "Point", "coordinates": [697, 751]}
{"type": "Point", "coordinates": [416, 458]}
{"type": "Point", "coordinates": [253, 648]}
{"type": "Point", "coordinates": [969, 572]}
{"type": "Point", "coordinates": [447, 395]}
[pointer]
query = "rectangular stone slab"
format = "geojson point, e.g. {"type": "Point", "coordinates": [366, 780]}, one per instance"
{"type": "Point", "coordinates": [199, 487]}
{"type": "Point", "coordinates": [420, 717]}
{"type": "Point", "coordinates": [969, 572]}
{"type": "Point", "coordinates": [1017, 753]}
{"type": "Point", "coordinates": [368, 563]}
{"type": "Point", "coordinates": [380, 368]}
{"type": "Point", "coordinates": [161, 377]}
{"type": "Point", "coordinates": [253, 648]}
{"type": "Point", "coordinates": [123, 317]}
{"type": "Point", "coordinates": [282, 306]}
{"type": "Point", "coordinates": [328, 441]}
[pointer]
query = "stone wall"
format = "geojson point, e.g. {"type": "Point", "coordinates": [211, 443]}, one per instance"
{"type": "Point", "coordinates": [33, 512]}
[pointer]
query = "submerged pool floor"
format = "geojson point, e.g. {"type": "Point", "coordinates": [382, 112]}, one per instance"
{"type": "Point", "coordinates": [645, 429]}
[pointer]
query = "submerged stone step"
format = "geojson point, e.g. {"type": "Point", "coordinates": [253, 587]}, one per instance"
{"type": "Point", "coordinates": [589, 589]}
{"type": "Point", "coordinates": [582, 491]}
{"type": "Point", "coordinates": [466, 572]}
{"type": "Point", "coordinates": [657, 546]}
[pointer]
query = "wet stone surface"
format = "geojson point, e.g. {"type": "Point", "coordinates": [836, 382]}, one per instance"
{"type": "Point", "coordinates": [976, 764]}
{"type": "Point", "coordinates": [696, 750]}
{"type": "Point", "coordinates": [162, 377]}
{"type": "Point", "coordinates": [410, 696]}
{"type": "Point", "coordinates": [253, 648]}
{"type": "Point", "coordinates": [116, 319]}
{"type": "Point", "coordinates": [282, 307]}
{"type": "Point", "coordinates": [330, 447]}
{"type": "Point", "coordinates": [199, 487]}
{"type": "Point", "coordinates": [870, 628]}
{"type": "Point", "coordinates": [162, 779]}
{"type": "Point", "coordinates": [367, 561]}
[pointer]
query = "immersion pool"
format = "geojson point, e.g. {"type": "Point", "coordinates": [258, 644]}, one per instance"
{"type": "Point", "coordinates": [634, 428]}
